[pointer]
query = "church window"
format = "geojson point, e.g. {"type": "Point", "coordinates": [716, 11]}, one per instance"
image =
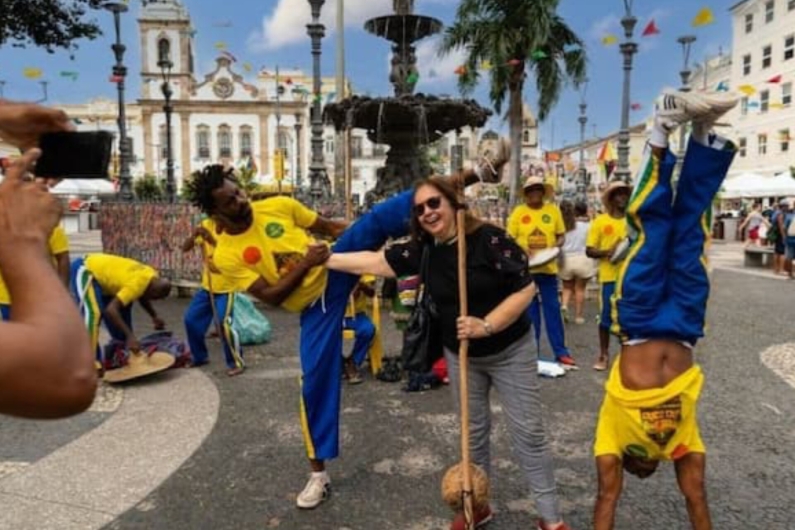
{"type": "Point", "coordinates": [224, 142]}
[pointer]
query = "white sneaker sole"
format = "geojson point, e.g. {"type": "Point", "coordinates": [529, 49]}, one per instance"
{"type": "Point", "coordinates": [684, 106]}
{"type": "Point", "coordinates": [303, 505]}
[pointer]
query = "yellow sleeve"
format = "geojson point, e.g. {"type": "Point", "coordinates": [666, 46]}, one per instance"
{"type": "Point", "coordinates": [236, 273]}
{"type": "Point", "coordinates": [58, 242]}
{"type": "Point", "coordinates": [135, 286]}
{"type": "Point", "coordinates": [303, 216]}
{"type": "Point", "coordinates": [594, 231]}
{"type": "Point", "coordinates": [560, 227]}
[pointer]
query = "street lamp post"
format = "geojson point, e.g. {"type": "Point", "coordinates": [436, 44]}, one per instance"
{"type": "Point", "coordinates": [317, 168]}
{"type": "Point", "coordinates": [119, 73]}
{"type": "Point", "coordinates": [582, 181]}
{"type": "Point", "coordinates": [628, 50]}
{"type": "Point", "coordinates": [298, 153]}
{"type": "Point", "coordinates": [165, 68]}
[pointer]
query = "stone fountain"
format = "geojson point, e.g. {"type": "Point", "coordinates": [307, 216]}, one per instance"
{"type": "Point", "coordinates": [405, 122]}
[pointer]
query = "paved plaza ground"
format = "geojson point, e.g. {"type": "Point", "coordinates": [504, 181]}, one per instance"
{"type": "Point", "coordinates": [193, 449]}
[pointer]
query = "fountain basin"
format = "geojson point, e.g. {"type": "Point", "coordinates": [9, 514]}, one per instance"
{"type": "Point", "coordinates": [403, 29]}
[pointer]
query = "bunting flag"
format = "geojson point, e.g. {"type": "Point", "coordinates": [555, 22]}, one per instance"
{"type": "Point", "coordinates": [703, 18]}
{"type": "Point", "coordinates": [748, 90]}
{"type": "Point", "coordinates": [229, 56]}
{"type": "Point", "coordinates": [514, 62]}
{"type": "Point", "coordinates": [651, 29]}
{"type": "Point", "coordinates": [413, 78]}
{"type": "Point", "coordinates": [609, 40]}
{"type": "Point", "coordinates": [461, 70]}
{"type": "Point", "coordinates": [569, 48]}
{"type": "Point", "coordinates": [247, 67]}
{"type": "Point", "coordinates": [607, 153]}
{"type": "Point", "coordinates": [636, 106]}
{"type": "Point", "coordinates": [72, 75]}
{"type": "Point", "coordinates": [775, 79]}
{"type": "Point", "coordinates": [776, 105]}
{"type": "Point", "coordinates": [723, 86]}
{"type": "Point", "coordinates": [753, 104]}
{"type": "Point", "coordinates": [32, 73]}
{"type": "Point", "coordinates": [537, 55]}
{"type": "Point", "coordinates": [220, 45]}
{"type": "Point", "coordinates": [485, 65]}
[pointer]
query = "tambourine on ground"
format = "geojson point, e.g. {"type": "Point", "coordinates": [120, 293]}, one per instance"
{"type": "Point", "coordinates": [453, 487]}
{"type": "Point", "coordinates": [140, 365]}
{"type": "Point", "coordinates": [543, 256]}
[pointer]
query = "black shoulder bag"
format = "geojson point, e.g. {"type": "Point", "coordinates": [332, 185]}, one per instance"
{"type": "Point", "coordinates": [421, 340]}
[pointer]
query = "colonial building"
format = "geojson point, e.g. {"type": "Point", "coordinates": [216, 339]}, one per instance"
{"type": "Point", "coordinates": [763, 71]}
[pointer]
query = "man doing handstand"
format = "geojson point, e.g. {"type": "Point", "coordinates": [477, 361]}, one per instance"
{"type": "Point", "coordinates": [659, 306]}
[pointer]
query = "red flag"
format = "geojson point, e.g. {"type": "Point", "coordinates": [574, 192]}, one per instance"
{"type": "Point", "coordinates": [635, 106]}
{"type": "Point", "coordinates": [776, 79]}
{"type": "Point", "coordinates": [116, 79]}
{"type": "Point", "coordinates": [515, 62]}
{"type": "Point", "coordinates": [651, 29]}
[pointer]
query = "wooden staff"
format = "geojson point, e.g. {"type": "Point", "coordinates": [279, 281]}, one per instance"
{"type": "Point", "coordinates": [463, 362]}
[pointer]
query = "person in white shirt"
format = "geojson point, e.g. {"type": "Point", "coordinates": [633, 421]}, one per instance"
{"type": "Point", "coordinates": [577, 268]}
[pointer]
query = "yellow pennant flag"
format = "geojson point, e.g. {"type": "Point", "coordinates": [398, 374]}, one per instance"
{"type": "Point", "coordinates": [32, 73]}
{"type": "Point", "coordinates": [220, 45]}
{"type": "Point", "coordinates": [608, 40]}
{"type": "Point", "coordinates": [247, 67]}
{"type": "Point", "coordinates": [776, 105]}
{"type": "Point", "coordinates": [748, 90]}
{"type": "Point", "coordinates": [485, 65]}
{"type": "Point", "coordinates": [703, 18]}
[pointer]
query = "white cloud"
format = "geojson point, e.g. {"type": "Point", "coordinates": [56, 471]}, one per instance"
{"type": "Point", "coordinates": [286, 24]}
{"type": "Point", "coordinates": [433, 69]}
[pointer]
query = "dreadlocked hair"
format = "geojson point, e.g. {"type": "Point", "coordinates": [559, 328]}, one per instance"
{"type": "Point", "coordinates": [199, 189]}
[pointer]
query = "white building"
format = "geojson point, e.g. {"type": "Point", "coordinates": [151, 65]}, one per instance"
{"type": "Point", "coordinates": [763, 70]}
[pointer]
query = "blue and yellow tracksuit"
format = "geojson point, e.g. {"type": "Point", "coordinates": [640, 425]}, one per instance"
{"type": "Point", "coordinates": [663, 286]}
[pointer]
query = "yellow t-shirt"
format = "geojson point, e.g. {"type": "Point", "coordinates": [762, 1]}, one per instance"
{"type": "Point", "coordinates": [219, 282]}
{"type": "Point", "coordinates": [604, 233]}
{"type": "Point", "coordinates": [276, 240]}
{"type": "Point", "coordinates": [58, 244]}
{"type": "Point", "coordinates": [656, 424]}
{"type": "Point", "coordinates": [122, 278]}
{"type": "Point", "coordinates": [536, 230]}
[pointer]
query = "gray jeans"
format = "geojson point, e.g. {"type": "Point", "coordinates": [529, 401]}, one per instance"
{"type": "Point", "coordinates": [513, 375]}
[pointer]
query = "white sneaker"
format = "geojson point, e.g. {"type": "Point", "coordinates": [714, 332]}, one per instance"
{"type": "Point", "coordinates": [680, 107]}
{"type": "Point", "coordinates": [316, 491]}
{"type": "Point", "coordinates": [489, 168]}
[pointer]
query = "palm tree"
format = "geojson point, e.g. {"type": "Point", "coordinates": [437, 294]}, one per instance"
{"type": "Point", "coordinates": [516, 38]}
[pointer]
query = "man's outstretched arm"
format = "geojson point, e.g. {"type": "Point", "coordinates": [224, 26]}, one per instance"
{"type": "Point", "coordinates": [277, 293]}
{"type": "Point", "coordinates": [611, 478]}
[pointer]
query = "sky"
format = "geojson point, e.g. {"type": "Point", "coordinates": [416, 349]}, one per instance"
{"type": "Point", "coordinates": [266, 33]}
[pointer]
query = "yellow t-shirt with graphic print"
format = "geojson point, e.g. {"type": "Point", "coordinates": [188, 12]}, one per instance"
{"type": "Point", "coordinates": [274, 243]}
{"type": "Point", "coordinates": [220, 284]}
{"type": "Point", "coordinates": [656, 424]}
{"type": "Point", "coordinates": [122, 278]}
{"type": "Point", "coordinates": [58, 244]}
{"type": "Point", "coordinates": [604, 233]}
{"type": "Point", "coordinates": [536, 230]}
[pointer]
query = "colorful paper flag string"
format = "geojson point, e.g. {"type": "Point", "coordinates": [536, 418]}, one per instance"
{"type": "Point", "coordinates": [776, 105]}
{"type": "Point", "coordinates": [609, 40]}
{"type": "Point", "coordinates": [748, 90]}
{"type": "Point", "coordinates": [723, 86]}
{"type": "Point", "coordinates": [461, 70]}
{"type": "Point", "coordinates": [485, 65]}
{"type": "Point", "coordinates": [32, 73]}
{"type": "Point", "coordinates": [636, 106]}
{"type": "Point", "coordinates": [514, 62]}
{"type": "Point", "coordinates": [775, 79]}
{"type": "Point", "coordinates": [72, 75]}
{"type": "Point", "coordinates": [413, 78]}
{"type": "Point", "coordinates": [753, 104]}
{"type": "Point", "coordinates": [703, 18]}
{"type": "Point", "coordinates": [538, 55]}
{"type": "Point", "coordinates": [247, 67]}
{"type": "Point", "coordinates": [220, 45]}
{"type": "Point", "coordinates": [651, 29]}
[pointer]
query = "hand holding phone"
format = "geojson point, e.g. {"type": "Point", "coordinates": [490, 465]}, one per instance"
{"type": "Point", "coordinates": [75, 155]}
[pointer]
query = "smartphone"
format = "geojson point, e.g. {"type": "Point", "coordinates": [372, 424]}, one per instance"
{"type": "Point", "coordinates": [75, 155]}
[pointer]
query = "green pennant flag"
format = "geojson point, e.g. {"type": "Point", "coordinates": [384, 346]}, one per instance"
{"type": "Point", "coordinates": [539, 54]}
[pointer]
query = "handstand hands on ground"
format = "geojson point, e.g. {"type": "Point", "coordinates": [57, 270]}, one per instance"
{"type": "Point", "coordinates": [659, 307]}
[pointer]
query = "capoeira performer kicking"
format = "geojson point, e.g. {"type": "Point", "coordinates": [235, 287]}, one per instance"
{"type": "Point", "coordinates": [267, 251]}
{"type": "Point", "coordinates": [649, 410]}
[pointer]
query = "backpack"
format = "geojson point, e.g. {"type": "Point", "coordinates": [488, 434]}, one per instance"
{"type": "Point", "coordinates": [116, 353]}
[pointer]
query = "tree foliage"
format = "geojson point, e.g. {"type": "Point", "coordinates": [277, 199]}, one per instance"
{"type": "Point", "coordinates": [49, 24]}
{"type": "Point", "coordinates": [149, 188]}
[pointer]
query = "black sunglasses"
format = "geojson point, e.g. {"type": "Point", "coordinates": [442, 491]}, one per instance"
{"type": "Point", "coordinates": [433, 204]}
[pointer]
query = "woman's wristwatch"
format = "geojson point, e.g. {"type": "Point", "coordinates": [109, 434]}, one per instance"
{"type": "Point", "coordinates": [487, 327]}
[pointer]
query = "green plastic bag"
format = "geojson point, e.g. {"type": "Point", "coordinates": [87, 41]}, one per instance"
{"type": "Point", "coordinates": [251, 325]}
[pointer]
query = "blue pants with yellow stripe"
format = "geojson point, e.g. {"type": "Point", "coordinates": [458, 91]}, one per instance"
{"type": "Point", "coordinates": [92, 301]}
{"type": "Point", "coordinates": [662, 288]}
{"type": "Point", "coordinates": [198, 318]}
{"type": "Point", "coordinates": [321, 325]}
{"type": "Point", "coordinates": [605, 310]}
{"type": "Point", "coordinates": [5, 312]}
{"type": "Point", "coordinates": [548, 303]}
{"type": "Point", "coordinates": [363, 333]}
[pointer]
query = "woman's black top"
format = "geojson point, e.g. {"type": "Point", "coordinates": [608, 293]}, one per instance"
{"type": "Point", "coordinates": [496, 268]}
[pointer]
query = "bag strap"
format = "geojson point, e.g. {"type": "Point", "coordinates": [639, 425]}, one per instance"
{"type": "Point", "coordinates": [424, 265]}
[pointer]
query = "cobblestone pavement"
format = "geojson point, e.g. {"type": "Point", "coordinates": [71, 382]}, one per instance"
{"type": "Point", "coordinates": [396, 446]}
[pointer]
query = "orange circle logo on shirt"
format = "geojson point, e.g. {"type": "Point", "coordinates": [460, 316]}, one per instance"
{"type": "Point", "coordinates": [608, 230]}
{"type": "Point", "coordinates": [252, 255]}
{"type": "Point", "coordinates": [526, 220]}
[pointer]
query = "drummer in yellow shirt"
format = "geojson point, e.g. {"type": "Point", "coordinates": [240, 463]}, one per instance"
{"type": "Point", "coordinates": [356, 319]}
{"type": "Point", "coordinates": [105, 286]}
{"type": "Point", "coordinates": [537, 225]}
{"type": "Point", "coordinates": [59, 250]}
{"type": "Point", "coordinates": [607, 233]}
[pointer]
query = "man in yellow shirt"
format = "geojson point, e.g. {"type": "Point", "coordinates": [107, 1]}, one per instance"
{"type": "Point", "coordinates": [58, 245]}
{"type": "Point", "coordinates": [217, 290]}
{"type": "Point", "coordinates": [105, 286]}
{"type": "Point", "coordinates": [659, 310]}
{"type": "Point", "coordinates": [538, 225]}
{"type": "Point", "coordinates": [267, 251]}
{"type": "Point", "coordinates": [356, 319]}
{"type": "Point", "coordinates": [606, 232]}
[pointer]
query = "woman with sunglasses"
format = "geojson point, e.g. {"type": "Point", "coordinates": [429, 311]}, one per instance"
{"type": "Point", "coordinates": [501, 352]}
